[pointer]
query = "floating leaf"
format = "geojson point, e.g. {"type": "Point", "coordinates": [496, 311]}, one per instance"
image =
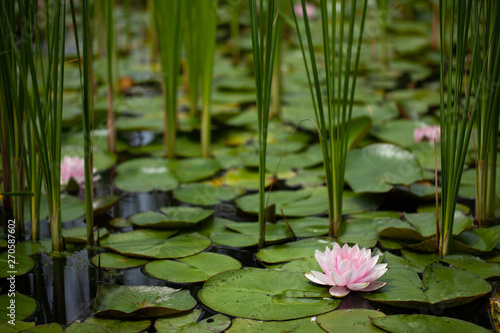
{"type": "Point", "coordinates": [197, 268]}
{"type": "Point", "coordinates": [24, 306]}
{"type": "Point", "coordinates": [117, 261]}
{"type": "Point", "coordinates": [20, 326]}
{"type": "Point", "coordinates": [473, 265]}
{"type": "Point", "coordinates": [265, 295]}
{"type": "Point", "coordinates": [78, 327]}
{"type": "Point", "coordinates": [18, 263]}
{"type": "Point", "coordinates": [246, 179]}
{"type": "Point", "coordinates": [79, 234]}
{"type": "Point", "coordinates": [189, 323]}
{"type": "Point", "coordinates": [479, 239]}
{"type": "Point", "coordinates": [103, 203]}
{"type": "Point", "coordinates": [440, 285]}
{"type": "Point", "coordinates": [154, 244]}
{"type": "Point", "coordinates": [309, 226]}
{"type": "Point", "coordinates": [145, 175]}
{"type": "Point", "coordinates": [119, 326]}
{"type": "Point", "coordinates": [241, 325]}
{"type": "Point", "coordinates": [114, 301]}
{"type": "Point", "coordinates": [294, 250]}
{"type": "Point", "coordinates": [205, 194]}
{"type": "Point", "coordinates": [47, 328]}
{"type": "Point", "coordinates": [274, 231]}
{"type": "Point", "coordinates": [377, 167]}
{"type": "Point", "coordinates": [357, 320]}
{"type": "Point", "coordinates": [172, 217]}
{"type": "Point", "coordinates": [361, 232]}
{"type": "Point", "coordinates": [193, 169]}
{"type": "Point", "coordinates": [407, 323]}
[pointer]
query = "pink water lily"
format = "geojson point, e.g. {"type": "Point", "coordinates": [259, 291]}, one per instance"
{"type": "Point", "coordinates": [73, 167]}
{"type": "Point", "coordinates": [431, 133]}
{"type": "Point", "coordinates": [347, 269]}
{"type": "Point", "coordinates": [310, 10]}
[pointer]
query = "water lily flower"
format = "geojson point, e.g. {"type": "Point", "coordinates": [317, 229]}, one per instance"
{"type": "Point", "coordinates": [347, 269]}
{"type": "Point", "coordinates": [431, 133]}
{"type": "Point", "coordinates": [310, 10]}
{"type": "Point", "coordinates": [73, 167]}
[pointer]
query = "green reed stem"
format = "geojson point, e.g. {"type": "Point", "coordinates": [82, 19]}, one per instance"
{"type": "Point", "coordinates": [264, 34]}
{"type": "Point", "coordinates": [333, 115]}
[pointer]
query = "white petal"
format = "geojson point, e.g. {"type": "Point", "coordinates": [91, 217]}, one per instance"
{"type": "Point", "coordinates": [338, 291]}
{"type": "Point", "coordinates": [319, 278]}
{"type": "Point", "coordinates": [337, 279]}
{"type": "Point", "coordinates": [358, 286]}
{"type": "Point", "coordinates": [374, 286]}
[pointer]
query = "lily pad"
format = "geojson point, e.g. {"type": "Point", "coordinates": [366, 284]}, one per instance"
{"type": "Point", "coordinates": [408, 323]}
{"type": "Point", "coordinates": [47, 328]}
{"type": "Point", "coordinates": [78, 327]}
{"type": "Point", "coordinates": [79, 234]}
{"type": "Point", "coordinates": [24, 306]}
{"type": "Point", "coordinates": [114, 301]}
{"type": "Point", "coordinates": [473, 265]}
{"type": "Point", "coordinates": [190, 170]}
{"type": "Point", "coordinates": [246, 179]}
{"type": "Point", "coordinates": [22, 264]}
{"type": "Point", "coordinates": [145, 175]}
{"type": "Point", "coordinates": [20, 326]}
{"type": "Point", "coordinates": [444, 286]}
{"type": "Point", "coordinates": [221, 235]}
{"type": "Point", "coordinates": [304, 248]}
{"type": "Point", "coordinates": [205, 194]}
{"type": "Point", "coordinates": [119, 326]}
{"type": "Point", "coordinates": [265, 295]}
{"type": "Point", "coordinates": [156, 244]}
{"type": "Point", "coordinates": [103, 203]}
{"type": "Point", "coordinates": [189, 323]}
{"type": "Point", "coordinates": [361, 232]}
{"type": "Point", "coordinates": [241, 325]}
{"type": "Point", "coordinates": [377, 167]}
{"type": "Point", "coordinates": [197, 268]}
{"type": "Point", "coordinates": [274, 231]}
{"type": "Point", "coordinates": [309, 226]}
{"type": "Point", "coordinates": [477, 240]}
{"type": "Point", "coordinates": [117, 261]}
{"type": "Point", "coordinates": [172, 217]}
{"type": "Point", "coordinates": [357, 320]}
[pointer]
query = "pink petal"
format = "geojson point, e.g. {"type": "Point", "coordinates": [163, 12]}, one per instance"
{"type": "Point", "coordinates": [348, 277]}
{"type": "Point", "coordinates": [374, 286]}
{"type": "Point", "coordinates": [375, 273]}
{"type": "Point", "coordinates": [338, 291]}
{"type": "Point", "coordinates": [358, 286]}
{"type": "Point", "coordinates": [337, 279]}
{"type": "Point", "coordinates": [319, 278]}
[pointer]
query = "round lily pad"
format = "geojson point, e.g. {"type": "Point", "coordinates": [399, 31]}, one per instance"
{"type": "Point", "coordinates": [47, 328]}
{"type": "Point", "coordinates": [24, 307]}
{"type": "Point", "coordinates": [119, 326]}
{"type": "Point", "coordinates": [425, 323]}
{"type": "Point", "coordinates": [377, 167]}
{"type": "Point", "coordinates": [474, 265]}
{"type": "Point", "coordinates": [78, 327]}
{"type": "Point", "coordinates": [197, 268]}
{"type": "Point", "coordinates": [172, 217]}
{"type": "Point", "coordinates": [117, 261]}
{"type": "Point", "coordinates": [103, 203]}
{"type": "Point", "coordinates": [79, 234]}
{"type": "Point", "coordinates": [304, 248]}
{"type": "Point", "coordinates": [274, 231]}
{"type": "Point", "coordinates": [357, 320]}
{"type": "Point", "coordinates": [20, 326]}
{"type": "Point", "coordinates": [241, 325]}
{"type": "Point", "coordinates": [265, 295]}
{"type": "Point", "coordinates": [156, 244]}
{"type": "Point", "coordinates": [18, 263]}
{"type": "Point", "coordinates": [189, 323]}
{"type": "Point", "coordinates": [205, 194]}
{"type": "Point", "coordinates": [441, 285]}
{"type": "Point", "coordinates": [361, 232]}
{"type": "Point", "coordinates": [145, 175]}
{"type": "Point", "coordinates": [193, 169]}
{"type": "Point", "coordinates": [114, 301]}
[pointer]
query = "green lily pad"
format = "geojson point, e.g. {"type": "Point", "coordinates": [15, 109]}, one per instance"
{"type": "Point", "coordinates": [274, 231]}
{"type": "Point", "coordinates": [265, 295]}
{"type": "Point", "coordinates": [71, 208]}
{"type": "Point", "coordinates": [301, 160]}
{"type": "Point", "coordinates": [189, 323]}
{"type": "Point", "coordinates": [205, 194]}
{"type": "Point", "coordinates": [24, 307]}
{"type": "Point", "coordinates": [104, 203]}
{"type": "Point", "coordinates": [145, 175]}
{"type": "Point", "coordinates": [361, 232]}
{"type": "Point", "coordinates": [156, 244]}
{"type": "Point", "coordinates": [246, 179]}
{"type": "Point", "coordinates": [114, 301]}
{"type": "Point", "coordinates": [444, 286]}
{"type": "Point", "coordinates": [309, 226]}
{"type": "Point", "coordinates": [197, 268]}
{"type": "Point", "coordinates": [398, 132]}
{"type": "Point", "coordinates": [304, 248]}
{"type": "Point", "coordinates": [116, 261]}
{"type": "Point", "coordinates": [377, 167]}
{"type": "Point", "coordinates": [250, 203]}
{"type": "Point", "coordinates": [20, 326]}
{"type": "Point", "coordinates": [78, 327]}
{"type": "Point", "coordinates": [119, 326]}
{"type": "Point", "coordinates": [357, 320]}
{"type": "Point", "coordinates": [408, 323]}
{"type": "Point", "coordinates": [477, 240]}
{"type": "Point", "coordinates": [473, 265]}
{"type": "Point", "coordinates": [221, 235]}
{"type": "Point", "coordinates": [47, 328]}
{"type": "Point", "coordinates": [172, 217]}
{"type": "Point", "coordinates": [241, 325]}
{"type": "Point", "coordinates": [18, 263]}
{"type": "Point", "coordinates": [79, 234]}
{"type": "Point", "coordinates": [193, 169]}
